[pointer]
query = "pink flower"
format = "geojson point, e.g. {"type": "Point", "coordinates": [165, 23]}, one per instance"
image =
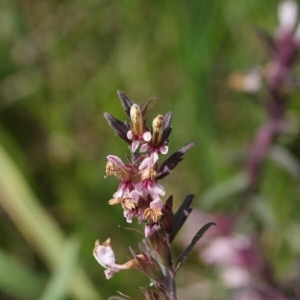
{"type": "Point", "coordinates": [129, 205]}
{"type": "Point", "coordinates": [148, 185]}
{"type": "Point", "coordinates": [157, 144]}
{"type": "Point", "coordinates": [151, 228]}
{"type": "Point", "coordinates": [163, 149]}
{"type": "Point", "coordinates": [137, 134]}
{"type": "Point", "coordinates": [148, 162]}
{"type": "Point", "coordinates": [126, 188]}
{"type": "Point", "coordinates": [106, 258]}
{"type": "Point", "coordinates": [137, 139]}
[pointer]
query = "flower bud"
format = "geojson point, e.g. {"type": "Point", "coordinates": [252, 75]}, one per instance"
{"type": "Point", "coordinates": [160, 248]}
{"type": "Point", "coordinates": [157, 131]}
{"type": "Point", "coordinates": [136, 119]}
{"type": "Point", "coordinates": [149, 267]}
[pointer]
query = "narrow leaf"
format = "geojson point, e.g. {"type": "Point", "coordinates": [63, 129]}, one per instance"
{"type": "Point", "coordinates": [145, 107]}
{"type": "Point", "coordinates": [181, 215]}
{"type": "Point", "coordinates": [126, 102]}
{"type": "Point", "coordinates": [167, 121]}
{"type": "Point", "coordinates": [119, 127]}
{"type": "Point", "coordinates": [185, 254]}
{"type": "Point", "coordinates": [171, 162]}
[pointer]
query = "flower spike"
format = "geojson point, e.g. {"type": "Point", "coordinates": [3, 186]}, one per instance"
{"type": "Point", "coordinates": [140, 195]}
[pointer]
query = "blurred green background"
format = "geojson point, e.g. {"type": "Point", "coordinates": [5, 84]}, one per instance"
{"type": "Point", "coordinates": [61, 65]}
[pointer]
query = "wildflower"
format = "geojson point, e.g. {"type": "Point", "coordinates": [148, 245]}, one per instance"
{"type": "Point", "coordinates": [157, 144]}
{"type": "Point", "coordinates": [106, 258]}
{"type": "Point", "coordinates": [139, 195]}
{"type": "Point", "coordinates": [149, 186]}
{"type": "Point", "coordinates": [116, 167]}
{"type": "Point", "coordinates": [137, 133]}
{"type": "Point", "coordinates": [129, 206]}
{"type": "Point", "coordinates": [126, 173]}
{"type": "Point", "coordinates": [152, 215]}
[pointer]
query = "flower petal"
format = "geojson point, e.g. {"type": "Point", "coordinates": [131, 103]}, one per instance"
{"type": "Point", "coordinates": [164, 149]}
{"type": "Point", "coordinates": [157, 203]}
{"type": "Point", "coordinates": [151, 228]}
{"type": "Point", "coordinates": [144, 148]}
{"type": "Point", "coordinates": [159, 189]}
{"type": "Point", "coordinates": [146, 136]}
{"type": "Point", "coordinates": [135, 145]}
{"type": "Point", "coordinates": [110, 272]}
{"type": "Point", "coordinates": [104, 254]}
{"type": "Point", "coordinates": [118, 193]}
{"type": "Point", "coordinates": [130, 134]}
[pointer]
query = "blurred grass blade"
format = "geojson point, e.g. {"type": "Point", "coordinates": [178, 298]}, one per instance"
{"type": "Point", "coordinates": [185, 254]}
{"type": "Point", "coordinates": [38, 228]}
{"type": "Point", "coordinates": [58, 285]}
{"type": "Point", "coordinates": [223, 190]}
{"type": "Point", "coordinates": [18, 280]}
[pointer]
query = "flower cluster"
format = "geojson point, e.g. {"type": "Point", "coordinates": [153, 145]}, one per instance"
{"type": "Point", "coordinates": [139, 194]}
{"type": "Point", "coordinates": [139, 191]}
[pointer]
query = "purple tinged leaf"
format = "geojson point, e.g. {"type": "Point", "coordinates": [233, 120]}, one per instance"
{"type": "Point", "coordinates": [145, 107]}
{"type": "Point", "coordinates": [126, 102]}
{"type": "Point", "coordinates": [181, 215]}
{"type": "Point", "coordinates": [185, 254]}
{"type": "Point", "coordinates": [167, 220]}
{"type": "Point", "coordinates": [167, 121]}
{"type": "Point", "coordinates": [170, 163]}
{"type": "Point", "coordinates": [120, 128]}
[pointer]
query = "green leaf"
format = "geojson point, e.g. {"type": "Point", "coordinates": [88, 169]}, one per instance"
{"type": "Point", "coordinates": [19, 280]}
{"type": "Point", "coordinates": [185, 254]}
